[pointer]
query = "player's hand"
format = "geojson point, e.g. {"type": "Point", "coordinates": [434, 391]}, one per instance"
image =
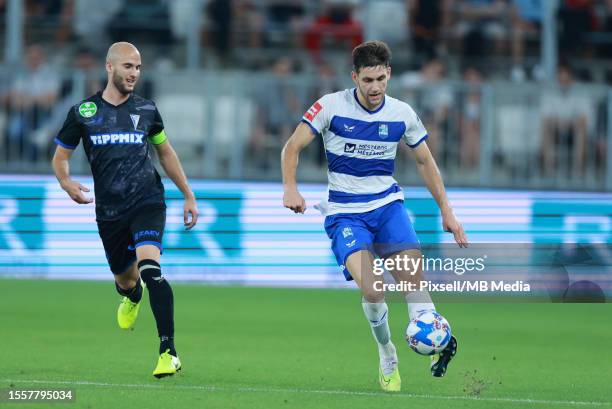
{"type": "Point", "coordinates": [190, 209]}
{"type": "Point", "coordinates": [452, 225]}
{"type": "Point", "coordinates": [292, 199]}
{"type": "Point", "coordinates": [74, 190]}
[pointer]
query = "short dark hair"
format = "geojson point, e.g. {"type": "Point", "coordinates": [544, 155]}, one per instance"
{"type": "Point", "coordinates": [371, 54]}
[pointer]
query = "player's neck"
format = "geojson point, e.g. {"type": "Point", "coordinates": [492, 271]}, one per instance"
{"type": "Point", "coordinates": [113, 96]}
{"type": "Point", "coordinates": [364, 102]}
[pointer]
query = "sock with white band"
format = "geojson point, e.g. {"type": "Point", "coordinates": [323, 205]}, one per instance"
{"type": "Point", "coordinates": [377, 315]}
{"type": "Point", "coordinates": [418, 302]}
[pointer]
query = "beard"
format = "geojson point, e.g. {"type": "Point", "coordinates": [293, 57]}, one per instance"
{"type": "Point", "coordinates": [118, 83]}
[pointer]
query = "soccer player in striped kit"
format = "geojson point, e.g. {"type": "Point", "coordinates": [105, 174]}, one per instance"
{"type": "Point", "coordinates": [365, 216]}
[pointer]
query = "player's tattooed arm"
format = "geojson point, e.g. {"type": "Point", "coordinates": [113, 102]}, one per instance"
{"type": "Point", "coordinates": [430, 173]}
{"type": "Point", "coordinates": [302, 136]}
{"type": "Point", "coordinates": [61, 168]}
{"type": "Point", "coordinates": [172, 166]}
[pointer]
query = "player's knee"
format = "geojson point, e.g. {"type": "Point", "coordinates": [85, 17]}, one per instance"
{"type": "Point", "coordinates": [125, 282]}
{"type": "Point", "coordinates": [150, 271]}
{"type": "Point", "coordinates": [372, 295]}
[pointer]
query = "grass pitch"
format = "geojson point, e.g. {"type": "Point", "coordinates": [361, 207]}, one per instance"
{"type": "Point", "coordinates": [295, 348]}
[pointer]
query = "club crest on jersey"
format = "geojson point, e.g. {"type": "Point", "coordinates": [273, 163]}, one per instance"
{"type": "Point", "coordinates": [313, 111]}
{"type": "Point", "coordinates": [117, 138]}
{"type": "Point", "coordinates": [135, 119]}
{"type": "Point", "coordinates": [383, 131]}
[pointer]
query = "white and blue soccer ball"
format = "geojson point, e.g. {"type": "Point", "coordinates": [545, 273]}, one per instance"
{"type": "Point", "coordinates": [428, 333]}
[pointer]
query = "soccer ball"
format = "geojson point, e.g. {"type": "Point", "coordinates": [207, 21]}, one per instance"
{"type": "Point", "coordinates": [428, 333]}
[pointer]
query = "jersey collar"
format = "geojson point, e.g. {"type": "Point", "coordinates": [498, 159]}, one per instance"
{"type": "Point", "coordinates": [382, 104]}
{"type": "Point", "coordinates": [112, 105]}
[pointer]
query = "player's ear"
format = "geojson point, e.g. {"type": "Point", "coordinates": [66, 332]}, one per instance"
{"type": "Point", "coordinates": [108, 66]}
{"type": "Point", "coordinates": [355, 78]}
{"type": "Point", "coordinates": [388, 72]}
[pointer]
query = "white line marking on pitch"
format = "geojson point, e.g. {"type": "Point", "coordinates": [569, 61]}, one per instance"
{"type": "Point", "coordinates": [250, 389]}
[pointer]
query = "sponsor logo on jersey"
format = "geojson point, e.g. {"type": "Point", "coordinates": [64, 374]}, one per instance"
{"type": "Point", "coordinates": [88, 109]}
{"type": "Point", "coordinates": [313, 111]}
{"type": "Point", "coordinates": [369, 149]}
{"type": "Point", "coordinates": [135, 119]}
{"type": "Point", "coordinates": [349, 147]}
{"type": "Point", "coordinates": [117, 138]}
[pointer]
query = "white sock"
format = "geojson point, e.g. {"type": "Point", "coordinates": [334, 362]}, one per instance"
{"type": "Point", "coordinates": [377, 315]}
{"type": "Point", "coordinates": [419, 301]}
{"type": "Point", "coordinates": [388, 358]}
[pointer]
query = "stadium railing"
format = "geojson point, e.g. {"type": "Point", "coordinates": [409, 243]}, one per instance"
{"type": "Point", "coordinates": [233, 124]}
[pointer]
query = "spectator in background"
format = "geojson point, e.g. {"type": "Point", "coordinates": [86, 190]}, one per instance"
{"type": "Point", "coordinates": [285, 21]}
{"type": "Point", "coordinates": [479, 21]}
{"type": "Point", "coordinates": [432, 98]}
{"type": "Point", "coordinates": [47, 20]}
{"type": "Point", "coordinates": [605, 26]}
{"type": "Point", "coordinates": [90, 19]}
{"type": "Point", "coordinates": [565, 116]}
{"type": "Point", "coordinates": [43, 9]}
{"type": "Point", "coordinates": [337, 27]}
{"type": "Point", "coordinates": [280, 103]}
{"type": "Point", "coordinates": [576, 18]}
{"type": "Point", "coordinates": [526, 22]}
{"type": "Point", "coordinates": [469, 120]}
{"type": "Point", "coordinates": [142, 21]}
{"type": "Point", "coordinates": [428, 18]}
{"type": "Point", "coordinates": [386, 20]}
{"type": "Point", "coordinates": [34, 92]}
{"type": "Point", "coordinates": [183, 15]}
{"type": "Point", "coordinates": [219, 13]}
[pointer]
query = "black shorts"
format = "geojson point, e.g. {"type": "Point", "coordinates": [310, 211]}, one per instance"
{"type": "Point", "coordinates": [145, 225]}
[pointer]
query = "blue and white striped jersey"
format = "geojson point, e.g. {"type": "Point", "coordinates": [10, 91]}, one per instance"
{"type": "Point", "coordinates": [361, 146]}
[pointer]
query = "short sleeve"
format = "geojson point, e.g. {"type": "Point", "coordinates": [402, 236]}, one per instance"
{"type": "Point", "coordinates": [70, 134]}
{"type": "Point", "coordinates": [157, 135]}
{"type": "Point", "coordinates": [415, 130]}
{"type": "Point", "coordinates": [317, 116]}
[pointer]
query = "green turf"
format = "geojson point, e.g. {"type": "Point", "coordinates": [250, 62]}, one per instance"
{"type": "Point", "coordinates": [288, 348]}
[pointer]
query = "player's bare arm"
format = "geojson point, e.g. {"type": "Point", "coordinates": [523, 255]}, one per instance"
{"type": "Point", "coordinates": [61, 167]}
{"type": "Point", "coordinates": [172, 166]}
{"type": "Point", "coordinates": [430, 173]}
{"type": "Point", "coordinates": [302, 137]}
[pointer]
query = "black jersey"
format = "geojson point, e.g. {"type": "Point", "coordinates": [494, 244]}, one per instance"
{"type": "Point", "coordinates": [116, 140]}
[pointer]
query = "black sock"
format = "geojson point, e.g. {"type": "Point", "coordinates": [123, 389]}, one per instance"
{"type": "Point", "coordinates": [134, 294]}
{"type": "Point", "coordinates": [162, 302]}
{"type": "Point", "coordinates": [165, 344]}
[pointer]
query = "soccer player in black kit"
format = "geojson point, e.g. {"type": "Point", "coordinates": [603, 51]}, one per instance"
{"type": "Point", "coordinates": [117, 127]}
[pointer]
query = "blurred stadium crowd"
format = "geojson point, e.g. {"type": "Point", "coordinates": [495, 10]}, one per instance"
{"type": "Point", "coordinates": [233, 77]}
